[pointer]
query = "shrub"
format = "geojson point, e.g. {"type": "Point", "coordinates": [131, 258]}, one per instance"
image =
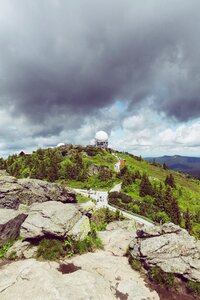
{"type": "Point", "coordinates": [50, 249]}
{"type": "Point", "coordinates": [89, 244]}
{"type": "Point", "coordinates": [5, 247]}
{"type": "Point", "coordinates": [194, 287]}
{"type": "Point", "coordinates": [135, 264]}
{"type": "Point", "coordinates": [160, 277]}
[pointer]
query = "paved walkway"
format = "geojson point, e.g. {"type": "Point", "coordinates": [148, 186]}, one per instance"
{"type": "Point", "coordinates": [101, 198]}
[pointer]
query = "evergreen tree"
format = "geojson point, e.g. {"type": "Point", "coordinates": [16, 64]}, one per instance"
{"type": "Point", "coordinates": [165, 166]}
{"type": "Point", "coordinates": [170, 181]}
{"type": "Point", "coordinates": [171, 207]}
{"type": "Point", "coordinates": [187, 217]}
{"type": "Point", "coordinates": [145, 186]}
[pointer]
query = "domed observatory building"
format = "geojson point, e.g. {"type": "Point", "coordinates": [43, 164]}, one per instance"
{"type": "Point", "coordinates": [101, 139]}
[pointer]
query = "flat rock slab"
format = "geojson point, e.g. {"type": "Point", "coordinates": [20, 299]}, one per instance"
{"type": "Point", "coordinates": [124, 282]}
{"type": "Point", "coordinates": [95, 276]}
{"type": "Point", "coordinates": [31, 279]}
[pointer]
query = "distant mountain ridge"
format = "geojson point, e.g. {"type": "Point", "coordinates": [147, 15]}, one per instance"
{"type": "Point", "coordinates": [186, 164]}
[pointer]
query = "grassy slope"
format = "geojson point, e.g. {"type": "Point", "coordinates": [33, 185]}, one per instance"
{"type": "Point", "coordinates": [187, 189]}
{"type": "Point", "coordinates": [103, 158]}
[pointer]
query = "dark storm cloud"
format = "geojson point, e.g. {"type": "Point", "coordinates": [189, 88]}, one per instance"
{"type": "Point", "coordinates": [64, 58]}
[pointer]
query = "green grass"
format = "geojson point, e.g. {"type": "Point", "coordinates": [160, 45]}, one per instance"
{"type": "Point", "coordinates": [50, 249]}
{"type": "Point", "coordinates": [82, 199]}
{"type": "Point", "coordinates": [194, 287]}
{"type": "Point", "coordinates": [187, 190]}
{"type": "Point", "coordinates": [53, 249]}
{"type": "Point", "coordinates": [5, 247]}
{"type": "Point", "coordinates": [135, 264]}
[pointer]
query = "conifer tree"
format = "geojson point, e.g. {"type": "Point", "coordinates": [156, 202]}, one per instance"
{"type": "Point", "coordinates": [145, 186]}
{"type": "Point", "coordinates": [187, 217]}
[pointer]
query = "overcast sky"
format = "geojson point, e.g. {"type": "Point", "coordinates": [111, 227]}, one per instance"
{"type": "Point", "coordinates": [71, 67]}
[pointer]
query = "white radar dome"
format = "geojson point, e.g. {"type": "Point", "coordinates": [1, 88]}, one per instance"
{"type": "Point", "coordinates": [60, 144]}
{"type": "Point", "coordinates": [101, 136]}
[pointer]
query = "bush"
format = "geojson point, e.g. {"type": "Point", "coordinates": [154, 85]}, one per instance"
{"type": "Point", "coordinates": [89, 244]}
{"type": "Point", "coordinates": [5, 247]}
{"type": "Point", "coordinates": [161, 217]}
{"type": "Point", "coordinates": [50, 249]}
{"type": "Point", "coordinates": [160, 277]}
{"type": "Point", "coordinates": [135, 264]}
{"type": "Point", "coordinates": [194, 287]}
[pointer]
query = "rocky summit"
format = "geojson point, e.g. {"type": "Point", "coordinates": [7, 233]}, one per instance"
{"type": "Point", "coordinates": [14, 192]}
{"type": "Point", "coordinates": [102, 275]}
{"type": "Point", "coordinates": [169, 247]}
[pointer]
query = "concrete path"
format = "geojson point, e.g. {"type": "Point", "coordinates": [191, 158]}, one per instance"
{"type": "Point", "coordinates": [101, 198]}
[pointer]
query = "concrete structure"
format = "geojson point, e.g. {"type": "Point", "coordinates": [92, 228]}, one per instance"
{"type": "Point", "coordinates": [60, 145]}
{"type": "Point", "coordinates": [101, 139]}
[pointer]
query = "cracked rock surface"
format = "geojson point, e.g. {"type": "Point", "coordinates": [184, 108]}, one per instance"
{"type": "Point", "coordinates": [55, 219]}
{"type": "Point", "coordinates": [93, 276]}
{"type": "Point", "coordinates": [169, 247]}
{"type": "Point", "coordinates": [14, 192]}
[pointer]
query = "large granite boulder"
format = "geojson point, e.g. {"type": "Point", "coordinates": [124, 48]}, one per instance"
{"type": "Point", "coordinates": [55, 219]}
{"type": "Point", "coordinates": [10, 222]}
{"type": "Point", "coordinates": [14, 192]}
{"type": "Point", "coordinates": [169, 247]}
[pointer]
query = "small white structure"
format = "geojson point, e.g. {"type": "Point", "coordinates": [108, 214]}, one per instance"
{"type": "Point", "coordinates": [101, 139]}
{"type": "Point", "coordinates": [60, 145]}
{"type": "Point", "coordinates": [117, 167]}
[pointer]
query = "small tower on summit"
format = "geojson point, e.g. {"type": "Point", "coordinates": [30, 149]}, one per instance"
{"type": "Point", "coordinates": [101, 139]}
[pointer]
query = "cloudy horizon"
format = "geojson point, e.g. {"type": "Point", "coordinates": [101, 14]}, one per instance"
{"type": "Point", "coordinates": [71, 68]}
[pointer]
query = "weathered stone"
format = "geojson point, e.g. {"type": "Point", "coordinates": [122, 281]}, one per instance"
{"type": "Point", "coordinates": [169, 247]}
{"type": "Point", "coordinates": [10, 222]}
{"type": "Point", "coordinates": [50, 218]}
{"type": "Point", "coordinates": [31, 279]}
{"type": "Point", "coordinates": [27, 191]}
{"type": "Point", "coordinates": [80, 229]}
{"type": "Point", "coordinates": [116, 270]}
{"type": "Point", "coordinates": [117, 236]}
{"type": "Point", "coordinates": [87, 207]}
{"type": "Point", "coordinates": [24, 208]}
{"type": "Point", "coordinates": [94, 169]}
{"type": "Point", "coordinates": [21, 249]}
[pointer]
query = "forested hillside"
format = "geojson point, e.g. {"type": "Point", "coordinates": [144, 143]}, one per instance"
{"type": "Point", "coordinates": [148, 189]}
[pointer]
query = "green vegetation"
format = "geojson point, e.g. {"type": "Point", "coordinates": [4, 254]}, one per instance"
{"type": "Point", "coordinates": [135, 263]}
{"type": "Point", "coordinates": [148, 189]}
{"type": "Point", "coordinates": [53, 249]}
{"type": "Point", "coordinates": [160, 194]}
{"type": "Point", "coordinates": [5, 247]}
{"type": "Point", "coordinates": [160, 277]}
{"type": "Point", "coordinates": [101, 217]}
{"type": "Point", "coordinates": [82, 199]}
{"type": "Point", "coordinates": [50, 249]}
{"type": "Point", "coordinates": [75, 166]}
{"type": "Point", "coordinates": [194, 287]}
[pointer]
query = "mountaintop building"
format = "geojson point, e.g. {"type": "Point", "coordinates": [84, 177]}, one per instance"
{"type": "Point", "coordinates": [101, 139]}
